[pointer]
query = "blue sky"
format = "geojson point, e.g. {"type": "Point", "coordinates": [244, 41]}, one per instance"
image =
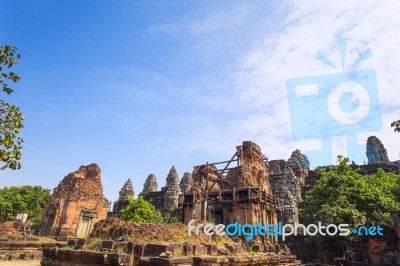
{"type": "Point", "coordinates": [139, 86]}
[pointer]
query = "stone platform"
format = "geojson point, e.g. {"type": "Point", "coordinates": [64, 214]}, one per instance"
{"type": "Point", "coordinates": [156, 254]}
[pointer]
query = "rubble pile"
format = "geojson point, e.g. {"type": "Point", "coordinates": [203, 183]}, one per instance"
{"type": "Point", "coordinates": [116, 228]}
{"type": "Point", "coordinates": [10, 229]}
{"type": "Point", "coordinates": [83, 184]}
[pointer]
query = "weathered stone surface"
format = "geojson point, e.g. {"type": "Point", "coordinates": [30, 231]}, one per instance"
{"type": "Point", "coordinates": [396, 218]}
{"type": "Point", "coordinates": [25, 249]}
{"type": "Point", "coordinates": [153, 250]}
{"type": "Point", "coordinates": [181, 261]}
{"type": "Point", "coordinates": [125, 194]}
{"type": "Point", "coordinates": [287, 179]}
{"type": "Point", "coordinates": [83, 184]}
{"type": "Point", "coordinates": [10, 229]}
{"type": "Point", "coordinates": [172, 193]}
{"type": "Point", "coordinates": [253, 169]}
{"type": "Point", "coordinates": [107, 245]}
{"type": "Point", "coordinates": [76, 204]}
{"type": "Point", "coordinates": [231, 191]}
{"type": "Point", "coordinates": [376, 152]}
{"type": "Point", "coordinates": [150, 184]}
{"type": "Point", "coordinates": [168, 200]}
{"type": "Point", "coordinates": [186, 182]}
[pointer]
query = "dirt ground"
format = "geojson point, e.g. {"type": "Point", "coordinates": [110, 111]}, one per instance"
{"type": "Point", "coordinates": [20, 263]}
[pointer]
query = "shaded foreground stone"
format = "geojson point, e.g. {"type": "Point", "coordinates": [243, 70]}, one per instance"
{"type": "Point", "coordinates": [157, 254]}
{"type": "Point", "coordinates": [23, 249]}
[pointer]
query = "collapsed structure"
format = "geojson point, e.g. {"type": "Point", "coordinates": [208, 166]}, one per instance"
{"type": "Point", "coordinates": [76, 205]}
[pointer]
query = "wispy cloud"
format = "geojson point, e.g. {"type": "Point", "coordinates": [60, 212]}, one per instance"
{"type": "Point", "coordinates": [255, 105]}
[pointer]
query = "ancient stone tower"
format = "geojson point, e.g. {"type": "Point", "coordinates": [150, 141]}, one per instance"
{"type": "Point", "coordinates": [287, 179]}
{"type": "Point", "coordinates": [125, 193]}
{"type": "Point", "coordinates": [169, 199]}
{"type": "Point", "coordinates": [186, 182]}
{"type": "Point", "coordinates": [172, 193]}
{"type": "Point", "coordinates": [76, 205]}
{"type": "Point", "coordinates": [150, 185]}
{"type": "Point", "coordinates": [376, 152]}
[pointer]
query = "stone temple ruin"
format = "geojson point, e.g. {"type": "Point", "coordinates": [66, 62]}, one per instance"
{"type": "Point", "coordinates": [76, 205]}
{"type": "Point", "coordinates": [248, 188]}
{"type": "Point", "coordinates": [237, 190]}
{"type": "Point", "coordinates": [287, 179]}
{"type": "Point", "coordinates": [125, 194]}
{"type": "Point", "coordinates": [169, 199]}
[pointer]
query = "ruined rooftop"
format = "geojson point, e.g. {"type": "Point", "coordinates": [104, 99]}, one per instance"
{"type": "Point", "coordinates": [83, 184]}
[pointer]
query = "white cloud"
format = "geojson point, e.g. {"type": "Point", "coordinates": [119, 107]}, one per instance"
{"type": "Point", "coordinates": [290, 53]}
{"type": "Point", "coordinates": [248, 99]}
{"type": "Point", "coordinates": [255, 104]}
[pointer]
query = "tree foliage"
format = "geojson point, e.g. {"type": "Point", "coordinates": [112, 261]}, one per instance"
{"type": "Point", "coordinates": [10, 116]}
{"type": "Point", "coordinates": [396, 125]}
{"type": "Point", "coordinates": [141, 211]}
{"type": "Point", "coordinates": [25, 199]}
{"type": "Point", "coordinates": [343, 195]}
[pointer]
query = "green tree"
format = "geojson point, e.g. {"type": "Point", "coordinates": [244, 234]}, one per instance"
{"type": "Point", "coordinates": [141, 211]}
{"type": "Point", "coordinates": [396, 125]}
{"type": "Point", "coordinates": [26, 199]}
{"type": "Point", "coordinates": [343, 195]}
{"type": "Point", "coordinates": [10, 116]}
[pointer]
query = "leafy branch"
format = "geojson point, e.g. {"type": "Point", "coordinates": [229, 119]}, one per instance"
{"type": "Point", "coordinates": [10, 116]}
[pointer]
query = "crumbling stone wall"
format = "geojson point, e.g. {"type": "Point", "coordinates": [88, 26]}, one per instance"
{"type": "Point", "coordinates": [253, 169]}
{"type": "Point", "coordinates": [76, 204]}
{"type": "Point", "coordinates": [287, 179]}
